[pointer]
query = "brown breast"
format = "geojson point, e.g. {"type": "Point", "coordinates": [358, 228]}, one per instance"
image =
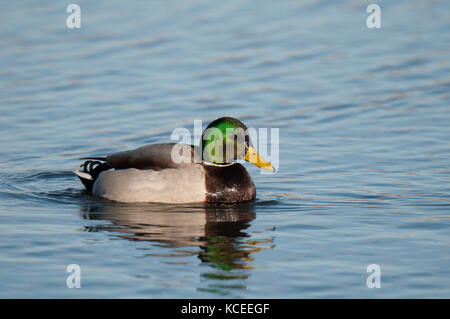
{"type": "Point", "coordinates": [228, 184]}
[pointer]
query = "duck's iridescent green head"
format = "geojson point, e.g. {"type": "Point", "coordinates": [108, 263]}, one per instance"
{"type": "Point", "coordinates": [226, 140]}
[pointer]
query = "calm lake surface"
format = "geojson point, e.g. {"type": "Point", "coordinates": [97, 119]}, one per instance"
{"type": "Point", "coordinates": [364, 133]}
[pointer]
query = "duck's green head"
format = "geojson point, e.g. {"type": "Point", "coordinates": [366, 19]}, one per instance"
{"type": "Point", "coordinates": [226, 140]}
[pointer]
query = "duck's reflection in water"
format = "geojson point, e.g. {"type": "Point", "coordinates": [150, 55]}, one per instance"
{"type": "Point", "coordinates": [219, 232]}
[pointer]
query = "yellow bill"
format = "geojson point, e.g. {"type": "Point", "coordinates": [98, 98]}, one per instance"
{"type": "Point", "coordinates": [253, 157]}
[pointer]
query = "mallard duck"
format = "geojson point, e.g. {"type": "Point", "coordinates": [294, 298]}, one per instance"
{"type": "Point", "coordinates": [179, 173]}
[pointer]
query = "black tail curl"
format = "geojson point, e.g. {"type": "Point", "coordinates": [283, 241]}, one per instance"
{"type": "Point", "coordinates": [93, 168]}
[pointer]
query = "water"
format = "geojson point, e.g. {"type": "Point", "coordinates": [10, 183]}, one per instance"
{"type": "Point", "coordinates": [364, 173]}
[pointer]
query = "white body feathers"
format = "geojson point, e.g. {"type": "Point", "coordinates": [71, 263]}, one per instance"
{"type": "Point", "coordinates": [157, 186]}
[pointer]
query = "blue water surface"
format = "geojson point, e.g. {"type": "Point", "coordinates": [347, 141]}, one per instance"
{"type": "Point", "coordinates": [364, 136]}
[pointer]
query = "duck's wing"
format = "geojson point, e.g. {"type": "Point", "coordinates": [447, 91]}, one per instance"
{"type": "Point", "coordinates": [156, 156]}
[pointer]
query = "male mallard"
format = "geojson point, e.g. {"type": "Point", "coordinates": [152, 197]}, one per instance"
{"type": "Point", "coordinates": [176, 173]}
